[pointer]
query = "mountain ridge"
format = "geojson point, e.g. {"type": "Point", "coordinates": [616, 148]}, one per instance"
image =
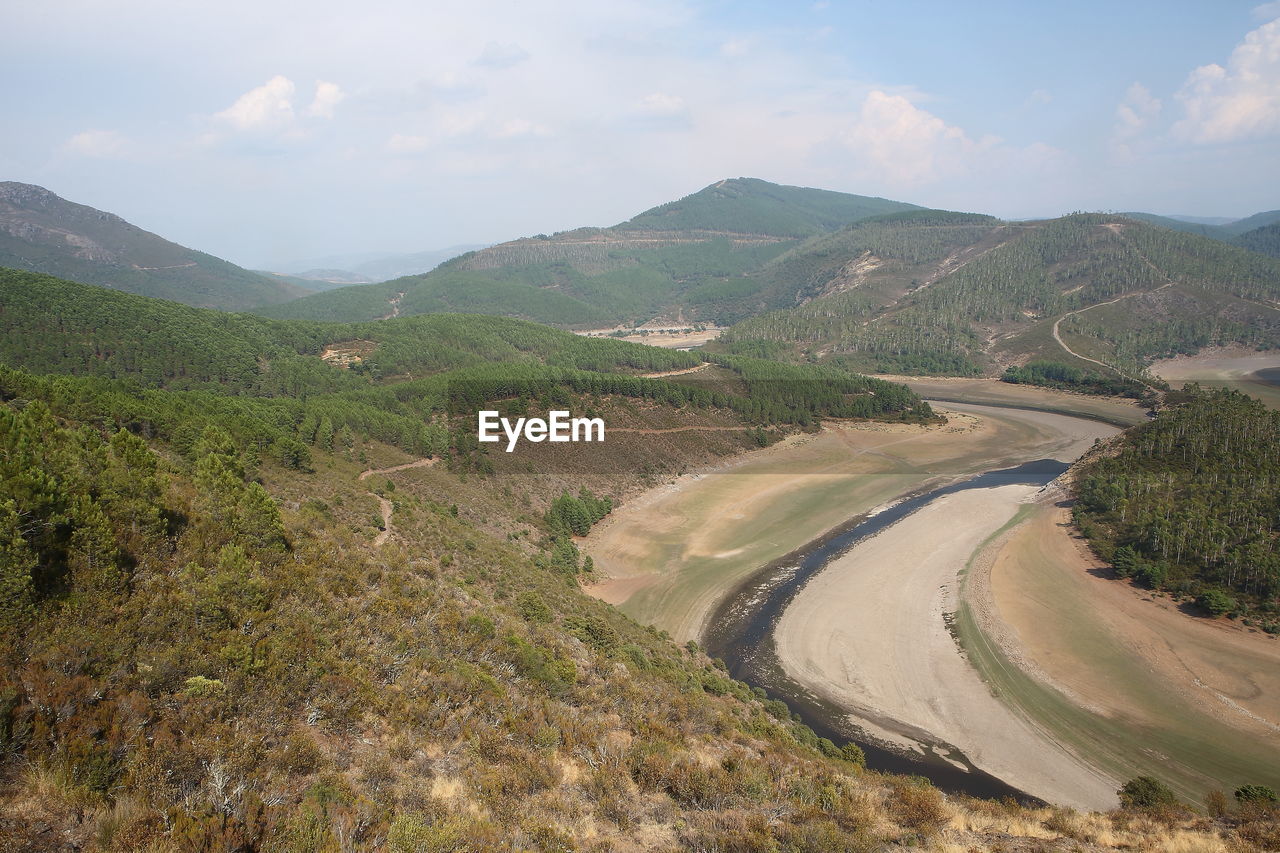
{"type": "Point", "coordinates": [672, 260]}
{"type": "Point", "coordinates": [42, 232]}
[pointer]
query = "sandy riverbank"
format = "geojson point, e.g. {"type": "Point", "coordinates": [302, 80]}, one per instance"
{"type": "Point", "coordinates": [870, 633]}
{"type": "Point", "coordinates": [1232, 367]}
{"type": "Point", "coordinates": [1125, 677]}
{"type": "Point", "coordinates": [672, 554]}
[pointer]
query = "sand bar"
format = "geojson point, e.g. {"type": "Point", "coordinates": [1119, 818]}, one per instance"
{"type": "Point", "coordinates": [1127, 677]}
{"type": "Point", "coordinates": [671, 555]}
{"type": "Point", "coordinates": [870, 633]}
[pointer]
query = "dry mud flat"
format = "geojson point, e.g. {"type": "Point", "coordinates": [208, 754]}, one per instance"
{"type": "Point", "coordinates": [671, 555]}
{"type": "Point", "coordinates": [1129, 679]}
{"type": "Point", "coordinates": [870, 632]}
{"type": "Point", "coordinates": [1231, 367]}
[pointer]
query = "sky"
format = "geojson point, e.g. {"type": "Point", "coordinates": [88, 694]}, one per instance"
{"type": "Point", "coordinates": [271, 132]}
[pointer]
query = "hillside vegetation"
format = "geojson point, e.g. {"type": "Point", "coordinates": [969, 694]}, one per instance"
{"type": "Point", "coordinates": [44, 233]}
{"type": "Point", "coordinates": [1101, 294]}
{"type": "Point", "coordinates": [227, 625]}
{"type": "Point", "coordinates": [267, 382]}
{"type": "Point", "coordinates": [1189, 504]}
{"type": "Point", "coordinates": [685, 260]}
{"type": "Point", "coordinates": [753, 206]}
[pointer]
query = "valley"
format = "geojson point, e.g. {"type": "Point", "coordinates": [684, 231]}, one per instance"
{"type": "Point", "coordinates": [678, 427]}
{"type": "Point", "coordinates": [971, 632]}
{"type": "Point", "coordinates": [820, 574]}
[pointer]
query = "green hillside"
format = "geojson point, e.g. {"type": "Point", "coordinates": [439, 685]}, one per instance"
{"type": "Point", "coordinates": [1229, 232]}
{"type": "Point", "coordinates": [251, 599]}
{"type": "Point", "coordinates": [1265, 240]}
{"type": "Point", "coordinates": [272, 382]}
{"type": "Point", "coordinates": [1249, 223]}
{"type": "Point", "coordinates": [684, 262]}
{"type": "Point", "coordinates": [41, 232]}
{"type": "Point", "coordinates": [906, 297]}
{"type": "Point", "coordinates": [753, 206]}
{"type": "Point", "coordinates": [1200, 522]}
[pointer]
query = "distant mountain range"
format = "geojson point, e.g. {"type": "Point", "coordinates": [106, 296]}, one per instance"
{"type": "Point", "coordinates": [1249, 232]}
{"type": "Point", "coordinates": [42, 232]}
{"type": "Point", "coordinates": [875, 285]}
{"type": "Point", "coordinates": [679, 262]}
{"type": "Point", "coordinates": [339, 270]}
{"type": "Point", "coordinates": [959, 294]}
{"type": "Point", "coordinates": [798, 274]}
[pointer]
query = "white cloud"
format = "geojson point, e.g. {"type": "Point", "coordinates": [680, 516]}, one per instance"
{"type": "Point", "coordinates": [735, 48]}
{"type": "Point", "coordinates": [1240, 101]}
{"type": "Point", "coordinates": [907, 145]}
{"type": "Point", "coordinates": [400, 143]}
{"type": "Point", "coordinates": [327, 97]}
{"type": "Point", "coordinates": [269, 105]}
{"type": "Point", "coordinates": [1040, 96]}
{"type": "Point", "coordinates": [1267, 11]}
{"type": "Point", "coordinates": [497, 55]}
{"type": "Point", "coordinates": [660, 104]}
{"type": "Point", "coordinates": [1133, 115]}
{"type": "Point", "coordinates": [106, 144]}
{"type": "Point", "coordinates": [517, 128]}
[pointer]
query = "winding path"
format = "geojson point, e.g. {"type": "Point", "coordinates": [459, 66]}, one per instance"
{"type": "Point", "coordinates": [385, 505]}
{"type": "Point", "coordinates": [684, 371]}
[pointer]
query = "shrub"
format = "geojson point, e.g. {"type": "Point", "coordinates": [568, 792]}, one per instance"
{"type": "Point", "coordinates": [533, 608]}
{"type": "Point", "coordinates": [412, 833]}
{"type": "Point", "coordinates": [201, 687]}
{"type": "Point", "coordinates": [1145, 792]}
{"type": "Point", "coordinates": [1255, 794]}
{"type": "Point", "coordinates": [1215, 602]}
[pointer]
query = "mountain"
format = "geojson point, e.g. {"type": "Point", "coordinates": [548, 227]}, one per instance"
{"type": "Point", "coordinates": [1227, 230]}
{"type": "Point", "coordinates": [1249, 223]}
{"type": "Point", "coordinates": [681, 262]}
{"type": "Point", "coordinates": [1265, 240]}
{"type": "Point", "coordinates": [415, 263]}
{"type": "Point", "coordinates": [753, 206]}
{"type": "Point", "coordinates": [330, 278]}
{"type": "Point", "coordinates": [42, 232]}
{"type": "Point", "coordinates": [920, 293]}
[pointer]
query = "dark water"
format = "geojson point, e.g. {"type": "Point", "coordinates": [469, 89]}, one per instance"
{"type": "Point", "coordinates": [742, 636]}
{"type": "Point", "coordinates": [1269, 376]}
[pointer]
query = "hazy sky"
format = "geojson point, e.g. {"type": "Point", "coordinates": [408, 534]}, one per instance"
{"type": "Point", "coordinates": [264, 132]}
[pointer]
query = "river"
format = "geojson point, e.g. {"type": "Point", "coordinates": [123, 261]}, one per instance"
{"type": "Point", "coordinates": [741, 634]}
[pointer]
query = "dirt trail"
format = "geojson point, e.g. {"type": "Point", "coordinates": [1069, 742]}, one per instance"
{"type": "Point", "coordinates": [419, 463]}
{"type": "Point", "coordinates": [681, 372]}
{"type": "Point", "coordinates": [385, 505]}
{"type": "Point", "coordinates": [962, 258]}
{"type": "Point", "coordinates": [1057, 337]}
{"type": "Point", "coordinates": [1118, 229]}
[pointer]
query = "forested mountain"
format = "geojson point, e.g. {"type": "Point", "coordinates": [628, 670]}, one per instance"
{"type": "Point", "coordinates": [924, 293]}
{"type": "Point", "coordinates": [1189, 503]}
{"type": "Point", "coordinates": [272, 382]}
{"type": "Point", "coordinates": [753, 206]}
{"type": "Point", "coordinates": [1235, 232]}
{"type": "Point", "coordinates": [685, 261]}
{"type": "Point", "coordinates": [1265, 239]}
{"type": "Point", "coordinates": [42, 232]}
